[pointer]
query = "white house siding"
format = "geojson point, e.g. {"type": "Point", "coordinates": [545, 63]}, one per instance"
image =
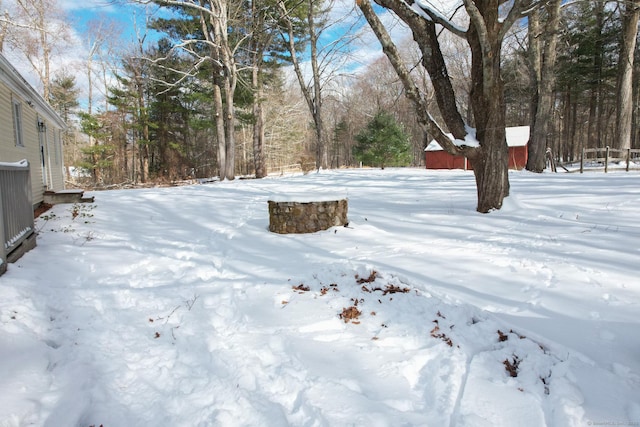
{"type": "Point", "coordinates": [34, 108]}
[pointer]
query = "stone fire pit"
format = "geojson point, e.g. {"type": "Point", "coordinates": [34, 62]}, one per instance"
{"type": "Point", "coordinates": [287, 217]}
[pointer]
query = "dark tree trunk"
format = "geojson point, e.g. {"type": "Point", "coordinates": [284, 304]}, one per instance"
{"type": "Point", "coordinates": [595, 104]}
{"type": "Point", "coordinates": [258, 45]}
{"type": "Point", "coordinates": [258, 136]}
{"type": "Point", "coordinates": [567, 145]}
{"type": "Point", "coordinates": [491, 165]}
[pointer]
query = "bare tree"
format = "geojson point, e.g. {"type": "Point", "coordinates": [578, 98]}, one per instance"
{"type": "Point", "coordinates": [484, 35]}
{"type": "Point", "coordinates": [313, 92]}
{"type": "Point", "coordinates": [5, 26]}
{"type": "Point", "coordinates": [286, 128]}
{"type": "Point", "coordinates": [38, 29]}
{"type": "Point", "coordinates": [101, 39]}
{"type": "Point", "coordinates": [324, 59]}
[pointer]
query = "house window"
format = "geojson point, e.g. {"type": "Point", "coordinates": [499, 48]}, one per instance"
{"type": "Point", "coordinates": [17, 123]}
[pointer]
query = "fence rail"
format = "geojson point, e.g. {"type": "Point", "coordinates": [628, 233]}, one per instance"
{"type": "Point", "coordinates": [608, 156]}
{"type": "Point", "coordinates": [16, 209]}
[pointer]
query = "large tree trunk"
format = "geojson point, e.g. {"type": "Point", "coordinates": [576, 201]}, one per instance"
{"type": "Point", "coordinates": [143, 146]}
{"type": "Point", "coordinates": [229, 123]}
{"type": "Point", "coordinates": [258, 44]}
{"type": "Point", "coordinates": [220, 130]}
{"type": "Point", "coordinates": [542, 58]}
{"type": "Point", "coordinates": [258, 127]}
{"type": "Point", "coordinates": [624, 111]}
{"type": "Point", "coordinates": [215, 27]}
{"type": "Point", "coordinates": [491, 165]}
{"type": "Point", "coordinates": [595, 100]}
{"type": "Point", "coordinates": [491, 170]}
{"type": "Point", "coordinates": [322, 160]}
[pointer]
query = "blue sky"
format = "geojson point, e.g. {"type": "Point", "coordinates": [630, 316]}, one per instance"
{"type": "Point", "coordinates": [126, 14]}
{"type": "Point", "coordinates": [129, 16]}
{"type": "Point", "coordinates": [74, 54]}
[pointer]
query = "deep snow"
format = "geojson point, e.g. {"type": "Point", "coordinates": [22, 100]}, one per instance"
{"type": "Point", "coordinates": [177, 307]}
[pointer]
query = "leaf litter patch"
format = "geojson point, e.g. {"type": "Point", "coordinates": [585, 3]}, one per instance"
{"type": "Point", "coordinates": [351, 314]}
{"type": "Point", "coordinates": [520, 362]}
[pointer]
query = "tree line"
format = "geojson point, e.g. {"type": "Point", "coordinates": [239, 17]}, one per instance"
{"type": "Point", "coordinates": [220, 88]}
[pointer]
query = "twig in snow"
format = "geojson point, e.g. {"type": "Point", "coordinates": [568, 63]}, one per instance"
{"type": "Point", "coordinates": [190, 302]}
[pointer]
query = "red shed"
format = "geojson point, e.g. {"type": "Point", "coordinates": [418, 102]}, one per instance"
{"type": "Point", "coordinates": [517, 138]}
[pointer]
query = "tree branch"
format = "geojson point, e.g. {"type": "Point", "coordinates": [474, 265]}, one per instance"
{"type": "Point", "coordinates": [435, 16]}
{"type": "Point", "coordinates": [515, 13]}
{"type": "Point", "coordinates": [411, 90]}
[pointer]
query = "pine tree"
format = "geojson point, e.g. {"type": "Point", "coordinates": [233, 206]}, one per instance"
{"type": "Point", "coordinates": [383, 143]}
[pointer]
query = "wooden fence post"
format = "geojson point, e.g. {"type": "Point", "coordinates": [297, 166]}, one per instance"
{"type": "Point", "coordinates": [628, 158]}
{"type": "Point", "coordinates": [606, 159]}
{"type": "Point", "coordinates": [582, 160]}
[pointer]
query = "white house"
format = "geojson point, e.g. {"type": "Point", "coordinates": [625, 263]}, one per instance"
{"type": "Point", "coordinates": [30, 129]}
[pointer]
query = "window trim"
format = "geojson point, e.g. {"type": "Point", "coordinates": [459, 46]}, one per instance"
{"type": "Point", "coordinates": [16, 107]}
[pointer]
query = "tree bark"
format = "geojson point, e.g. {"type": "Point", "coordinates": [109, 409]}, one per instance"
{"type": "Point", "coordinates": [491, 167]}
{"type": "Point", "coordinates": [259, 40]}
{"type": "Point", "coordinates": [624, 111]}
{"type": "Point", "coordinates": [542, 59]}
{"type": "Point", "coordinates": [214, 22]}
{"type": "Point", "coordinates": [220, 130]}
{"type": "Point", "coordinates": [596, 89]}
{"type": "Point", "coordinates": [322, 160]}
{"type": "Point", "coordinates": [258, 127]}
{"type": "Point", "coordinates": [143, 120]}
{"type": "Point", "coordinates": [229, 121]}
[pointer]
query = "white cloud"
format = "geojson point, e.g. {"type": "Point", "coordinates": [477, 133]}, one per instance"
{"type": "Point", "coordinates": [95, 5]}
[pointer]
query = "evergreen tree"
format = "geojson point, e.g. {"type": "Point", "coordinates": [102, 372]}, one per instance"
{"type": "Point", "coordinates": [170, 109]}
{"type": "Point", "coordinates": [63, 95]}
{"type": "Point", "coordinates": [99, 156]}
{"type": "Point", "coordinates": [130, 97]}
{"type": "Point", "coordinates": [383, 143]}
{"type": "Point", "coordinates": [587, 69]}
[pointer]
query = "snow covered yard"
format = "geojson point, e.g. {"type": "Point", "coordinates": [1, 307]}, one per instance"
{"type": "Point", "coordinates": [177, 307]}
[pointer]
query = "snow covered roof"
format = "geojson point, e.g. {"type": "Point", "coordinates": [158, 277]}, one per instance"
{"type": "Point", "coordinates": [517, 136]}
